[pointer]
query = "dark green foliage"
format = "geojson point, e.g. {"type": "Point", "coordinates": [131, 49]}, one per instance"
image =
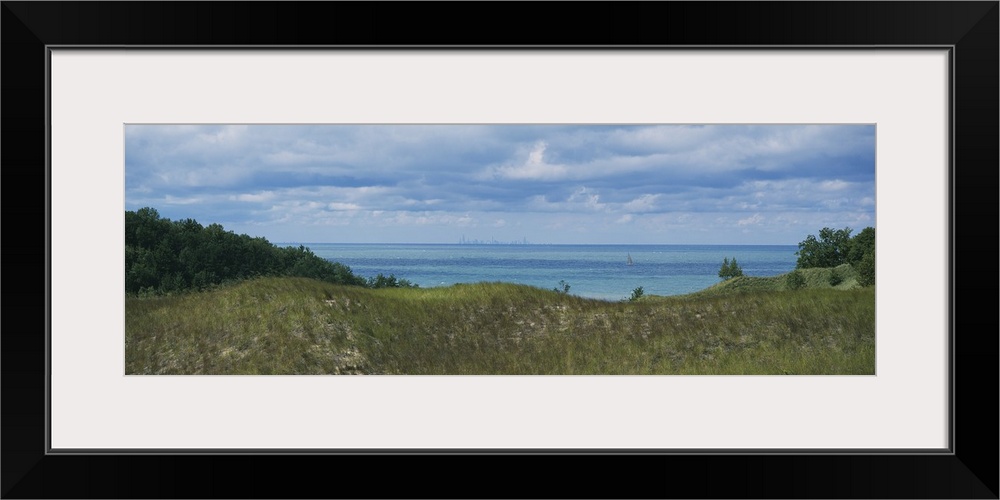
{"type": "Point", "coordinates": [835, 278]}
{"type": "Point", "coordinates": [830, 250]}
{"type": "Point", "coordinates": [735, 269]}
{"type": "Point", "coordinates": [382, 281]}
{"type": "Point", "coordinates": [305, 264]}
{"type": "Point", "coordinates": [637, 293]}
{"type": "Point", "coordinates": [835, 247]}
{"type": "Point", "coordinates": [730, 269]}
{"type": "Point", "coordinates": [564, 285]}
{"type": "Point", "coordinates": [866, 270]}
{"type": "Point", "coordinates": [862, 244]}
{"type": "Point", "coordinates": [862, 256]}
{"type": "Point", "coordinates": [795, 280]}
{"type": "Point", "coordinates": [164, 256]}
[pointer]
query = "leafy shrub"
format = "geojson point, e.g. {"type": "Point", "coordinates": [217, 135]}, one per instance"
{"type": "Point", "coordinates": [795, 280]}
{"type": "Point", "coordinates": [564, 285]}
{"type": "Point", "coordinates": [866, 270]}
{"type": "Point", "coordinates": [382, 281]}
{"type": "Point", "coordinates": [636, 294]}
{"type": "Point", "coordinates": [835, 277]}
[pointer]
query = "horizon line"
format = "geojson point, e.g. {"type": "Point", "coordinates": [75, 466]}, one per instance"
{"type": "Point", "coordinates": [532, 244]}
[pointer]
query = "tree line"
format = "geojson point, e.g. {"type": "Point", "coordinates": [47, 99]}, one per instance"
{"type": "Point", "coordinates": [164, 256]}
{"type": "Point", "coordinates": [832, 248]}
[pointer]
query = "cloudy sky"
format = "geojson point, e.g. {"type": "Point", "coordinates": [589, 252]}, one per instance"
{"type": "Point", "coordinates": [669, 184]}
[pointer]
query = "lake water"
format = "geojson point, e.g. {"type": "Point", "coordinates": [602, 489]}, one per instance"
{"type": "Point", "coordinates": [595, 271]}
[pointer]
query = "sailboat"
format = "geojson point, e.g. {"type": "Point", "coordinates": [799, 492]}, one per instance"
{"type": "Point", "coordinates": [629, 261]}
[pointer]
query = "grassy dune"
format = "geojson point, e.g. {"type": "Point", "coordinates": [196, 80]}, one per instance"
{"type": "Point", "coordinates": [815, 278]}
{"type": "Point", "coordinates": [302, 326]}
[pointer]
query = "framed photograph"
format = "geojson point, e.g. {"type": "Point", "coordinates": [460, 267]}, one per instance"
{"type": "Point", "coordinates": [882, 111]}
{"type": "Point", "coordinates": [500, 249]}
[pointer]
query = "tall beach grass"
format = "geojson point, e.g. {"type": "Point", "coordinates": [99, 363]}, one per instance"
{"type": "Point", "coordinates": [300, 326]}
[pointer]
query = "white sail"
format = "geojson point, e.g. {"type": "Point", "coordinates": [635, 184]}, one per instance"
{"type": "Point", "coordinates": [629, 259]}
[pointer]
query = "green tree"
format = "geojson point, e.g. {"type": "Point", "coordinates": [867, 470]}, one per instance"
{"type": "Point", "coordinates": [637, 293]}
{"type": "Point", "coordinates": [165, 257]}
{"type": "Point", "coordinates": [863, 243]}
{"type": "Point", "coordinates": [866, 270]}
{"type": "Point", "coordinates": [730, 269]}
{"type": "Point", "coordinates": [862, 256]}
{"type": "Point", "coordinates": [140, 269]}
{"type": "Point", "coordinates": [736, 269]}
{"type": "Point", "coordinates": [831, 249]}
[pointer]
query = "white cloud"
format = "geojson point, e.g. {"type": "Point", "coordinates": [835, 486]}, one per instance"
{"type": "Point", "coordinates": [338, 206]}
{"type": "Point", "coordinates": [534, 168]}
{"type": "Point", "coordinates": [465, 220]}
{"type": "Point", "coordinates": [226, 134]}
{"type": "Point", "coordinates": [750, 221]}
{"type": "Point", "coordinates": [644, 203]}
{"type": "Point", "coordinates": [254, 197]}
{"type": "Point", "coordinates": [289, 158]}
{"type": "Point", "coordinates": [404, 218]}
{"type": "Point", "coordinates": [863, 218]}
{"type": "Point", "coordinates": [338, 220]}
{"type": "Point", "coordinates": [587, 198]}
{"type": "Point", "coordinates": [173, 200]}
{"type": "Point", "coordinates": [834, 185]}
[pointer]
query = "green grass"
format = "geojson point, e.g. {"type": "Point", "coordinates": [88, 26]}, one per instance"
{"type": "Point", "coordinates": [815, 278]}
{"type": "Point", "coordinates": [302, 326]}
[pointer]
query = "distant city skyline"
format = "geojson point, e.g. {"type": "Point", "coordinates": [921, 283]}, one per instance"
{"type": "Point", "coordinates": [493, 241]}
{"type": "Point", "coordinates": [555, 184]}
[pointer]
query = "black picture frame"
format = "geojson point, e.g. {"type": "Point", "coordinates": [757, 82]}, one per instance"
{"type": "Point", "coordinates": [970, 29]}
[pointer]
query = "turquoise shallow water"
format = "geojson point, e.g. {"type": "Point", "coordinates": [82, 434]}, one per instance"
{"type": "Point", "coordinates": [595, 271]}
